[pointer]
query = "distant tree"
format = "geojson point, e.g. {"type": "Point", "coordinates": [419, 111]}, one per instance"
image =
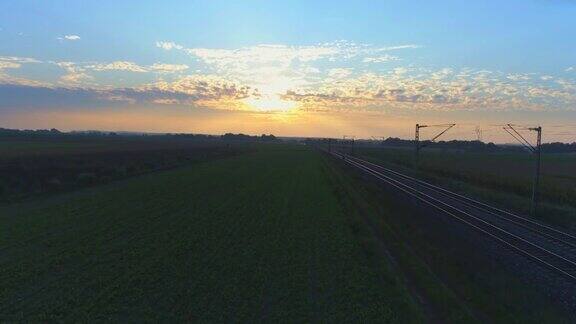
{"type": "Point", "coordinates": [557, 147]}
{"type": "Point", "coordinates": [268, 138]}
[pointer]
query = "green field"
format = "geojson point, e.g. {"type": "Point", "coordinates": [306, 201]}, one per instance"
{"type": "Point", "coordinates": [277, 233]}
{"type": "Point", "coordinates": [18, 147]}
{"type": "Point", "coordinates": [45, 165]}
{"type": "Point", "coordinates": [255, 237]}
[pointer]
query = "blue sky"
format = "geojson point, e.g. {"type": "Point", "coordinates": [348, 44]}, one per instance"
{"type": "Point", "coordinates": [305, 67]}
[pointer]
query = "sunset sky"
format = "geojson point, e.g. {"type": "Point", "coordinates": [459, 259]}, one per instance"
{"type": "Point", "coordinates": [292, 68]}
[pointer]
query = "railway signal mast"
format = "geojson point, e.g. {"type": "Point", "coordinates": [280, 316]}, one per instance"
{"type": "Point", "coordinates": [537, 151]}
{"type": "Point", "coordinates": [351, 137]}
{"type": "Point", "coordinates": [478, 133]}
{"type": "Point", "coordinates": [420, 146]}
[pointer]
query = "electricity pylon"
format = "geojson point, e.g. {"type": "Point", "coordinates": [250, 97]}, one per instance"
{"type": "Point", "coordinates": [419, 146]}
{"type": "Point", "coordinates": [351, 137]}
{"type": "Point", "coordinates": [478, 133]}
{"type": "Point", "coordinates": [536, 150]}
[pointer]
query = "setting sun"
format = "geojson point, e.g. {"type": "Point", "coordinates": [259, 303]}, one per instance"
{"type": "Point", "coordinates": [270, 103]}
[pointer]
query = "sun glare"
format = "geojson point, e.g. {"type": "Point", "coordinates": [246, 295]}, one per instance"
{"type": "Point", "coordinates": [269, 103]}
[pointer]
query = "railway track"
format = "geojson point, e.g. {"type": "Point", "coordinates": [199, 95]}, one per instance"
{"type": "Point", "coordinates": [549, 247]}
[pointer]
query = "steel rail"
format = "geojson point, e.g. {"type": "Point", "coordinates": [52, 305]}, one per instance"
{"type": "Point", "coordinates": [536, 227]}
{"type": "Point", "coordinates": [430, 201]}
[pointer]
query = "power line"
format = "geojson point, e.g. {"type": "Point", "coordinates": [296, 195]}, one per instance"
{"type": "Point", "coordinates": [536, 150]}
{"type": "Point", "coordinates": [351, 141]}
{"type": "Point", "coordinates": [478, 131]}
{"type": "Point", "coordinates": [417, 137]}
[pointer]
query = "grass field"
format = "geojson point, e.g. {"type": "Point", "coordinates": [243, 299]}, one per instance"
{"type": "Point", "coordinates": [279, 233]}
{"type": "Point", "coordinates": [261, 236]}
{"type": "Point", "coordinates": [42, 166]}
{"type": "Point", "coordinates": [18, 147]}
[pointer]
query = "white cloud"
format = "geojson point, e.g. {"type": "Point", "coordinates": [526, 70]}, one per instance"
{"type": "Point", "coordinates": [133, 67]}
{"type": "Point", "coordinates": [381, 59]}
{"type": "Point", "coordinates": [265, 53]}
{"type": "Point", "coordinates": [198, 90]}
{"type": "Point", "coordinates": [76, 78]}
{"type": "Point", "coordinates": [441, 74]}
{"type": "Point", "coordinates": [19, 59]}
{"type": "Point", "coordinates": [9, 65]}
{"type": "Point", "coordinates": [261, 54]}
{"type": "Point", "coordinates": [70, 38]}
{"type": "Point", "coordinates": [323, 75]}
{"type": "Point", "coordinates": [75, 74]}
{"type": "Point", "coordinates": [339, 73]}
{"type": "Point", "coordinates": [168, 68]}
{"type": "Point", "coordinates": [117, 66]}
{"type": "Point", "coordinates": [518, 77]}
{"type": "Point", "coordinates": [443, 89]}
{"type": "Point", "coordinates": [169, 45]}
{"type": "Point", "coordinates": [399, 71]}
{"type": "Point", "coordinates": [274, 69]}
{"type": "Point", "coordinates": [570, 69]}
{"type": "Point", "coordinates": [14, 62]}
{"type": "Point", "coordinates": [342, 88]}
{"type": "Point", "coordinates": [66, 65]}
{"type": "Point", "coordinates": [271, 68]}
{"type": "Point", "coordinates": [408, 46]}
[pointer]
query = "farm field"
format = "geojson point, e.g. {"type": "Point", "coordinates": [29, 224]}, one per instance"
{"type": "Point", "coordinates": [503, 178]}
{"type": "Point", "coordinates": [44, 165]}
{"type": "Point", "coordinates": [253, 237]}
{"type": "Point", "coordinates": [24, 146]}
